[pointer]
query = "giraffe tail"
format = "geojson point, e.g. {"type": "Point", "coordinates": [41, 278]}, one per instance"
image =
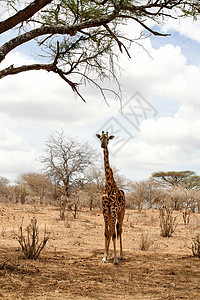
{"type": "Point", "coordinates": [117, 227]}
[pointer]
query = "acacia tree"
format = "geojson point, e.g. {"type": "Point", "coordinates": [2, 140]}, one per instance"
{"type": "Point", "coordinates": [187, 179]}
{"type": "Point", "coordinates": [181, 188]}
{"type": "Point", "coordinates": [81, 37]}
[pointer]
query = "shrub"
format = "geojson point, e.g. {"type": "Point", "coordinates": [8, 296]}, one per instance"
{"type": "Point", "coordinates": [186, 215]}
{"type": "Point", "coordinates": [144, 242]}
{"type": "Point", "coordinates": [196, 246]}
{"type": "Point", "coordinates": [167, 221]}
{"type": "Point", "coordinates": [30, 243]}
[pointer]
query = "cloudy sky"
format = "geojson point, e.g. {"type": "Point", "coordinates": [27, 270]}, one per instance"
{"type": "Point", "coordinates": [157, 126]}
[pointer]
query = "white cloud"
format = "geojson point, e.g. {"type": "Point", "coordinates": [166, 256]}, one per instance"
{"type": "Point", "coordinates": [185, 26]}
{"type": "Point", "coordinates": [172, 131]}
{"type": "Point", "coordinates": [39, 101]}
{"type": "Point", "coordinates": [45, 97]}
{"type": "Point", "coordinates": [16, 155]}
{"type": "Point", "coordinates": [165, 142]}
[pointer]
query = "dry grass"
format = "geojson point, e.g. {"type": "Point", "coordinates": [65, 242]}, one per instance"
{"type": "Point", "coordinates": [145, 241]}
{"type": "Point", "coordinates": [70, 265]}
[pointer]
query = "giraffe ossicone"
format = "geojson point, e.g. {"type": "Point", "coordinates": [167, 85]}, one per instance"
{"type": "Point", "coordinates": [113, 203]}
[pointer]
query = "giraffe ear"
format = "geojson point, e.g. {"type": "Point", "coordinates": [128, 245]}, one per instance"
{"type": "Point", "coordinates": [98, 135]}
{"type": "Point", "coordinates": [111, 137]}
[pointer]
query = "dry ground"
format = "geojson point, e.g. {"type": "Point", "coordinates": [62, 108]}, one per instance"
{"type": "Point", "coordinates": [70, 265]}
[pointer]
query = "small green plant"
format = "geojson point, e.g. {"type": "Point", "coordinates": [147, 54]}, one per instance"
{"type": "Point", "coordinates": [167, 221]}
{"type": "Point", "coordinates": [30, 242]}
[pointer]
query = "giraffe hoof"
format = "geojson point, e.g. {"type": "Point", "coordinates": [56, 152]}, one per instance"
{"type": "Point", "coordinates": [121, 257]}
{"type": "Point", "coordinates": [103, 260]}
{"type": "Point", "coordinates": [116, 261]}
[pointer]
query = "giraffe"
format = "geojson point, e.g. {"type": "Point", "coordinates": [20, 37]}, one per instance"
{"type": "Point", "coordinates": [113, 203]}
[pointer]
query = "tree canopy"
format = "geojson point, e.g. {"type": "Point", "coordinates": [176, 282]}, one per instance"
{"type": "Point", "coordinates": [187, 179]}
{"type": "Point", "coordinates": [81, 38]}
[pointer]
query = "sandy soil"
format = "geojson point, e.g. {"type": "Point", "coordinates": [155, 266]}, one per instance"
{"type": "Point", "coordinates": [70, 265]}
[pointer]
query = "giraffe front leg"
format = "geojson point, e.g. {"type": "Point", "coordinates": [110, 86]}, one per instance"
{"type": "Point", "coordinates": [107, 238]}
{"type": "Point", "coordinates": [105, 250]}
{"type": "Point", "coordinates": [114, 247]}
{"type": "Point", "coordinates": [120, 223]}
{"type": "Point", "coordinates": [113, 233]}
{"type": "Point", "coordinates": [107, 242]}
{"type": "Point", "coordinates": [121, 251]}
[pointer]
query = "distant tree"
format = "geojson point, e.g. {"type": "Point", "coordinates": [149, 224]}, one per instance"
{"type": "Point", "coordinates": [39, 184]}
{"type": "Point", "coordinates": [123, 182]}
{"type": "Point", "coordinates": [96, 183]}
{"type": "Point", "coordinates": [66, 162]}
{"type": "Point", "coordinates": [96, 176]}
{"type": "Point", "coordinates": [81, 39]}
{"type": "Point", "coordinates": [95, 186]}
{"type": "Point", "coordinates": [186, 179]}
{"type": "Point", "coordinates": [20, 193]}
{"type": "Point", "coordinates": [197, 197]}
{"type": "Point", "coordinates": [143, 194]}
{"type": "Point", "coordinates": [4, 188]}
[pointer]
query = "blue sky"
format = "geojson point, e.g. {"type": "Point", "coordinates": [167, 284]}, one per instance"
{"type": "Point", "coordinates": [158, 127]}
{"type": "Point", "coordinates": [189, 47]}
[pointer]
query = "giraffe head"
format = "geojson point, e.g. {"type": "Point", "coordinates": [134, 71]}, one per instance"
{"type": "Point", "coordinates": [104, 138]}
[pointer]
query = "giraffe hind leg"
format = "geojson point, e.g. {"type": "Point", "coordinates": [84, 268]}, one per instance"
{"type": "Point", "coordinates": [106, 214]}
{"type": "Point", "coordinates": [114, 247]}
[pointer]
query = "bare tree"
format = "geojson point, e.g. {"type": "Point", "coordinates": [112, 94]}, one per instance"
{"type": "Point", "coordinates": [81, 37]}
{"type": "Point", "coordinates": [95, 185]}
{"type": "Point", "coordinates": [66, 162]}
{"type": "Point", "coordinates": [143, 193]}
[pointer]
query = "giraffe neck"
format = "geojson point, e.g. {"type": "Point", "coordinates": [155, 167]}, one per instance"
{"type": "Point", "coordinates": [108, 170]}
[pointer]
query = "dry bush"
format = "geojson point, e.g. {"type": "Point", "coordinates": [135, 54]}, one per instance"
{"type": "Point", "coordinates": [68, 219]}
{"type": "Point", "coordinates": [3, 232]}
{"type": "Point", "coordinates": [196, 246]}
{"type": "Point", "coordinates": [186, 213]}
{"type": "Point", "coordinates": [30, 242]}
{"type": "Point", "coordinates": [167, 221]}
{"type": "Point", "coordinates": [144, 242]}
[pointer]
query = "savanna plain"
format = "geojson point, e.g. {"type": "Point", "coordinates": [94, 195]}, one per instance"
{"type": "Point", "coordinates": [70, 267]}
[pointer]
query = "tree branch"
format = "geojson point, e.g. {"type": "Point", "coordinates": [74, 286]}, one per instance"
{"type": "Point", "coordinates": [23, 15]}
{"type": "Point", "coordinates": [12, 71]}
{"type": "Point", "coordinates": [54, 29]}
{"type": "Point", "coordinates": [120, 44]}
{"type": "Point", "coordinates": [146, 27]}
